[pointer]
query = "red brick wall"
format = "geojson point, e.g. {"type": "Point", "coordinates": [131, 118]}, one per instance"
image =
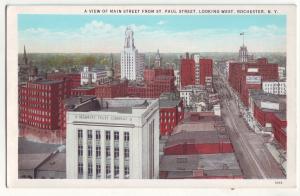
{"type": "Point", "coordinates": [187, 72]}
{"type": "Point", "coordinates": [206, 69]}
{"type": "Point", "coordinates": [206, 148]}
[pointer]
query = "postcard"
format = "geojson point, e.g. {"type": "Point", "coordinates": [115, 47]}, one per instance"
{"type": "Point", "coordinates": [151, 96]}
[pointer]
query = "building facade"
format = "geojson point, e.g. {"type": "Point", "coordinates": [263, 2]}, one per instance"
{"type": "Point", "coordinates": [132, 63]}
{"type": "Point", "coordinates": [120, 140]}
{"type": "Point", "coordinates": [113, 89]}
{"type": "Point", "coordinates": [246, 76]}
{"type": "Point", "coordinates": [195, 70]}
{"type": "Point", "coordinates": [171, 113]}
{"type": "Point", "coordinates": [187, 92]}
{"type": "Point", "coordinates": [95, 75]}
{"type": "Point", "coordinates": [39, 103]}
{"type": "Point", "coordinates": [274, 87]}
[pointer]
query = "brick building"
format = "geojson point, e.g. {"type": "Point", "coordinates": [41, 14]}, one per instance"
{"type": "Point", "coordinates": [171, 112]}
{"type": "Point", "coordinates": [206, 70]}
{"type": "Point", "coordinates": [39, 103]}
{"type": "Point", "coordinates": [117, 88]}
{"type": "Point", "coordinates": [194, 70]}
{"type": "Point", "coordinates": [156, 82]}
{"type": "Point", "coordinates": [83, 90]}
{"type": "Point", "coordinates": [270, 111]}
{"type": "Point", "coordinates": [73, 77]}
{"type": "Point", "coordinates": [151, 74]}
{"type": "Point", "coordinates": [199, 133]}
{"type": "Point", "coordinates": [245, 76]}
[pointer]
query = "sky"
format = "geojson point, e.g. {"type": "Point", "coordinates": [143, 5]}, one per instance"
{"type": "Point", "coordinates": [45, 33]}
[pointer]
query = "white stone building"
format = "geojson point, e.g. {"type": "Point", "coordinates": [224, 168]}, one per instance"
{"type": "Point", "coordinates": [177, 78]}
{"type": "Point", "coordinates": [95, 75]}
{"type": "Point", "coordinates": [119, 140]}
{"type": "Point", "coordinates": [281, 72]}
{"type": "Point", "coordinates": [132, 63]}
{"type": "Point", "coordinates": [274, 87]}
{"type": "Point", "coordinates": [188, 91]}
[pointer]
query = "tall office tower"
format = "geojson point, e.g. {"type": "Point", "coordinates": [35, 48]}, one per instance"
{"type": "Point", "coordinates": [243, 54]}
{"type": "Point", "coordinates": [157, 62]}
{"type": "Point", "coordinates": [131, 66]}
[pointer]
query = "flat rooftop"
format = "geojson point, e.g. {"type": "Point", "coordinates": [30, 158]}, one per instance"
{"type": "Point", "coordinates": [205, 122]}
{"type": "Point", "coordinates": [56, 163]}
{"type": "Point", "coordinates": [84, 88]}
{"type": "Point", "coordinates": [166, 103]}
{"type": "Point", "coordinates": [180, 166]}
{"type": "Point", "coordinates": [259, 95]}
{"type": "Point", "coordinates": [47, 81]}
{"type": "Point", "coordinates": [31, 161]}
{"type": "Point", "coordinates": [120, 105]}
{"type": "Point", "coordinates": [197, 137]}
{"type": "Point", "coordinates": [76, 100]}
{"type": "Point", "coordinates": [29, 147]}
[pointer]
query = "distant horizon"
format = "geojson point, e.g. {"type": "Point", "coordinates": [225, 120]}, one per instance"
{"type": "Point", "coordinates": [47, 33]}
{"type": "Point", "coordinates": [141, 52]}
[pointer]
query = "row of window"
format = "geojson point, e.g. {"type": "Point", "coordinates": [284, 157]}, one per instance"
{"type": "Point", "coordinates": [98, 135]}
{"type": "Point", "coordinates": [107, 152]}
{"type": "Point", "coordinates": [167, 113]}
{"type": "Point", "coordinates": [98, 170]}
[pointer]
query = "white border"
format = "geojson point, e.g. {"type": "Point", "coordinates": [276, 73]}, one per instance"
{"type": "Point", "coordinates": [159, 183]}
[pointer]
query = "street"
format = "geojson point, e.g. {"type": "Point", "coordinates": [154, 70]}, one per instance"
{"type": "Point", "coordinates": [255, 160]}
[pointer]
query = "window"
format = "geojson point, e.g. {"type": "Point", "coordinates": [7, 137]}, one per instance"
{"type": "Point", "coordinates": [98, 170]}
{"type": "Point", "coordinates": [98, 135]}
{"type": "Point", "coordinates": [116, 152]}
{"type": "Point", "coordinates": [90, 169]}
{"type": "Point", "coordinates": [80, 168]}
{"type": "Point", "coordinates": [107, 151]}
{"type": "Point", "coordinates": [79, 134]}
{"type": "Point", "coordinates": [116, 136]}
{"type": "Point", "coordinates": [126, 153]}
{"type": "Point", "coordinates": [107, 135]}
{"type": "Point", "coordinates": [98, 151]}
{"type": "Point", "coordinates": [90, 135]}
{"type": "Point", "coordinates": [80, 150]}
{"type": "Point", "coordinates": [126, 136]}
{"type": "Point", "coordinates": [107, 170]}
{"type": "Point", "coordinates": [126, 171]}
{"type": "Point", "coordinates": [90, 151]}
{"type": "Point", "coordinates": [116, 171]}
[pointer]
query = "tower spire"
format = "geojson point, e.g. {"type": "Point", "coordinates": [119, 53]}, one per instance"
{"type": "Point", "coordinates": [25, 59]}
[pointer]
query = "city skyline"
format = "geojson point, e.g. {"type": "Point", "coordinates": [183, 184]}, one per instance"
{"type": "Point", "coordinates": [104, 34]}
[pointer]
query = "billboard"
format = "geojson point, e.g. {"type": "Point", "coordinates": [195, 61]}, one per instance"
{"type": "Point", "coordinates": [253, 79]}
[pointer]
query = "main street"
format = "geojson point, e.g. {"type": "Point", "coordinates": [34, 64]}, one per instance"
{"type": "Point", "coordinates": [255, 159]}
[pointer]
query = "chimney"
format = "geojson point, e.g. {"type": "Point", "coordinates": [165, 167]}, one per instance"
{"type": "Point", "coordinates": [80, 99]}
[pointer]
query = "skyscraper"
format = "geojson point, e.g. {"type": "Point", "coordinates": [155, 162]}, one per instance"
{"type": "Point", "coordinates": [157, 62]}
{"type": "Point", "coordinates": [132, 64]}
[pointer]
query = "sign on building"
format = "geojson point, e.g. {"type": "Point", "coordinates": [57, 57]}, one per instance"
{"type": "Point", "coordinates": [253, 79]}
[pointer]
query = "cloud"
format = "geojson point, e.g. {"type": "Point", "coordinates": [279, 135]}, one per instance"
{"type": "Point", "coordinates": [162, 22]}
{"type": "Point", "coordinates": [97, 36]}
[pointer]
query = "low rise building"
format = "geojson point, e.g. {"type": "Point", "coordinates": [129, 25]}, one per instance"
{"type": "Point", "coordinates": [120, 139]}
{"type": "Point", "coordinates": [94, 75]}
{"type": "Point", "coordinates": [116, 88]}
{"type": "Point", "coordinates": [270, 112]}
{"type": "Point", "coordinates": [188, 91]}
{"type": "Point", "coordinates": [200, 166]}
{"type": "Point", "coordinates": [83, 90]}
{"type": "Point", "coordinates": [41, 161]}
{"type": "Point", "coordinates": [171, 112]}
